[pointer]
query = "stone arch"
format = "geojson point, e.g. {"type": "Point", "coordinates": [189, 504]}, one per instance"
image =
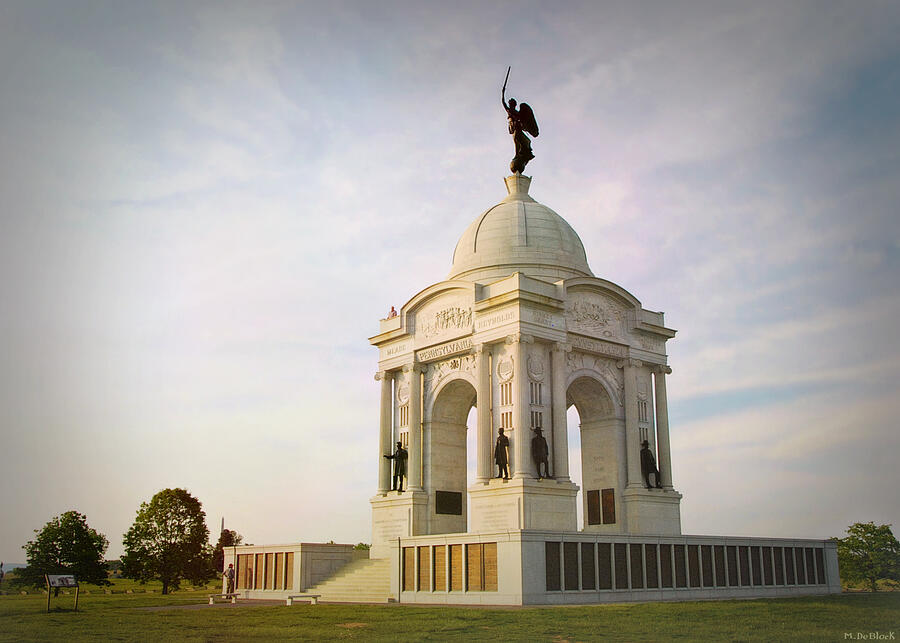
{"type": "Point", "coordinates": [608, 387]}
{"type": "Point", "coordinates": [602, 443]}
{"type": "Point", "coordinates": [445, 450]}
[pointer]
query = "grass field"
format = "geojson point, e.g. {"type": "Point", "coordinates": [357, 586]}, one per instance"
{"type": "Point", "coordinates": [120, 617]}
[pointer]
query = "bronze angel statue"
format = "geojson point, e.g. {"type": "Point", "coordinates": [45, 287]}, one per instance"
{"type": "Point", "coordinates": [521, 120]}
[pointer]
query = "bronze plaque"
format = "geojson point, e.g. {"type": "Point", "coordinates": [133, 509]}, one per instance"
{"type": "Point", "coordinates": [409, 568]}
{"type": "Point", "coordinates": [456, 568]}
{"type": "Point", "coordinates": [552, 564]}
{"type": "Point", "coordinates": [720, 565]}
{"type": "Point", "coordinates": [608, 500]}
{"type": "Point", "coordinates": [756, 564]}
{"type": "Point", "coordinates": [289, 570]}
{"type": "Point", "coordinates": [570, 565]}
{"type": "Point", "coordinates": [820, 565]}
{"type": "Point", "coordinates": [593, 507]}
{"type": "Point", "coordinates": [652, 571]}
{"type": "Point", "coordinates": [424, 584]}
{"type": "Point", "coordinates": [732, 566]}
{"type": "Point", "coordinates": [810, 567]}
{"type": "Point", "coordinates": [777, 553]}
{"type": "Point", "coordinates": [474, 569]}
{"type": "Point", "coordinates": [604, 565]}
{"type": "Point", "coordinates": [440, 568]}
{"type": "Point", "coordinates": [768, 577]}
{"type": "Point", "coordinates": [790, 577]}
{"type": "Point", "coordinates": [448, 502]}
{"type": "Point", "coordinates": [279, 571]}
{"type": "Point", "coordinates": [744, 559]}
{"type": "Point", "coordinates": [260, 571]}
{"type": "Point", "coordinates": [621, 565]}
{"type": "Point", "coordinates": [587, 566]}
{"type": "Point", "coordinates": [706, 565]}
{"type": "Point", "coordinates": [680, 571]}
{"type": "Point", "coordinates": [270, 571]}
{"type": "Point", "coordinates": [665, 564]}
{"type": "Point", "coordinates": [801, 571]}
{"type": "Point", "coordinates": [637, 566]}
{"type": "Point", "coordinates": [490, 567]}
{"type": "Point", "coordinates": [694, 565]}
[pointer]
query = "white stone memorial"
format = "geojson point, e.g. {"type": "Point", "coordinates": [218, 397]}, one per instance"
{"type": "Point", "coordinates": [522, 330]}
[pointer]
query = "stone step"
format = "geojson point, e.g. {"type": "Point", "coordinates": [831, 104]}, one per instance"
{"type": "Point", "coordinates": [362, 581]}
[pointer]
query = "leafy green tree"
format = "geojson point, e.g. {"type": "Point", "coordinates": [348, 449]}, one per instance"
{"type": "Point", "coordinates": [227, 538]}
{"type": "Point", "coordinates": [66, 545]}
{"type": "Point", "coordinates": [868, 553]}
{"type": "Point", "coordinates": [169, 541]}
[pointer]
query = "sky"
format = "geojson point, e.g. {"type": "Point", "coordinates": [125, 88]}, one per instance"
{"type": "Point", "coordinates": [205, 208]}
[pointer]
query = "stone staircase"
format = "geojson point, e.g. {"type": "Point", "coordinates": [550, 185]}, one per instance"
{"type": "Point", "coordinates": [361, 581]}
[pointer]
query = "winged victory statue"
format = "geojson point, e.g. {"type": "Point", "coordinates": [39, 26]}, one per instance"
{"type": "Point", "coordinates": [521, 122]}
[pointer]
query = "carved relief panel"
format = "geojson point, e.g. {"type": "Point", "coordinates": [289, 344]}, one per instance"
{"type": "Point", "coordinates": [598, 316]}
{"type": "Point", "coordinates": [442, 319]}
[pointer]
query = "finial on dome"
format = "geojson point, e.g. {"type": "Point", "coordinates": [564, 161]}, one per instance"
{"type": "Point", "coordinates": [517, 185]}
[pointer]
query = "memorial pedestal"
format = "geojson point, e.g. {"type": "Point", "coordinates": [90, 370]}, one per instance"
{"type": "Point", "coordinates": [522, 504]}
{"type": "Point", "coordinates": [652, 511]}
{"type": "Point", "coordinates": [396, 515]}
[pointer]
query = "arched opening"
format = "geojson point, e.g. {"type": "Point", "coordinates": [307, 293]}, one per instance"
{"type": "Point", "coordinates": [596, 462]}
{"type": "Point", "coordinates": [449, 446]}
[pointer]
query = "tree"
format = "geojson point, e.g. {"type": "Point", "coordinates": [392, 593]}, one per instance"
{"type": "Point", "coordinates": [66, 545]}
{"type": "Point", "coordinates": [227, 538]}
{"type": "Point", "coordinates": [168, 541]}
{"type": "Point", "coordinates": [869, 553]}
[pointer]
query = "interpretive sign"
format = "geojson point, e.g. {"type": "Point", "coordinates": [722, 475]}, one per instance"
{"type": "Point", "coordinates": [56, 581]}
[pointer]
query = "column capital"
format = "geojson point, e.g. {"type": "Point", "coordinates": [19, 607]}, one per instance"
{"type": "Point", "coordinates": [382, 375]}
{"type": "Point", "coordinates": [662, 369]}
{"type": "Point", "coordinates": [563, 347]}
{"type": "Point", "coordinates": [519, 338]}
{"type": "Point", "coordinates": [480, 348]}
{"type": "Point", "coordinates": [636, 363]}
{"type": "Point", "coordinates": [415, 367]}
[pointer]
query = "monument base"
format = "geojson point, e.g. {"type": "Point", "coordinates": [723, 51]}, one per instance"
{"type": "Point", "coordinates": [523, 503]}
{"type": "Point", "coordinates": [652, 511]}
{"type": "Point", "coordinates": [396, 514]}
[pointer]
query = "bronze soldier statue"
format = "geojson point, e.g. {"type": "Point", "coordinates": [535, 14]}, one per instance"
{"type": "Point", "coordinates": [539, 452]}
{"type": "Point", "coordinates": [648, 465]}
{"type": "Point", "coordinates": [521, 120]}
{"type": "Point", "coordinates": [399, 459]}
{"type": "Point", "coordinates": [501, 455]}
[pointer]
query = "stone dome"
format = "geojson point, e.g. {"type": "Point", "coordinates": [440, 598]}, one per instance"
{"type": "Point", "coordinates": [519, 235]}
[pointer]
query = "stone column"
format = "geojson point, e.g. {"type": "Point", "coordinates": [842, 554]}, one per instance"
{"type": "Point", "coordinates": [414, 472]}
{"type": "Point", "coordinates": [558, 400]}
{"type": "Point", "coordinates": [662, 427]}
{"type": "Point", "coordinates": [484, 441]}
{"type": "Point", "coordinates": [522, 408]}
{"type": "Point", "coordinates": [632, 441]}
{"type": "Point", "coordinates": [386, 428]}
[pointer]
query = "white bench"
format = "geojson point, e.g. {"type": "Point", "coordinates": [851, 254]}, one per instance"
{"type": "Point", "coordinates": [233, 596]}
{"type": "Point", "coordinates": [313, 598]}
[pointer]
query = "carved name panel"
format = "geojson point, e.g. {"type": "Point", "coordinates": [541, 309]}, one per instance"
{"type": "Point", "coordinates": [494, 319]}
{"type": "Point", "coordinates": [450, 348]}
{"type": "Point", "coordinates": [598, 346]}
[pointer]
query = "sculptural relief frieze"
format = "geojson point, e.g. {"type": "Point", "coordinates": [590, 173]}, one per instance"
{"type": "Point", "coordinates": [443, 320]}
{"type": "Point", "coordinates": [597, 316]}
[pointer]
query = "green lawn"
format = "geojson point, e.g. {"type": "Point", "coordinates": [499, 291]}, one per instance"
{"type": "Point", "coordinates": [116, 617]}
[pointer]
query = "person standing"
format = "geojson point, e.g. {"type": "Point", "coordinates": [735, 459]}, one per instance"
{"type": "Point", "coordinates": [229, 578]}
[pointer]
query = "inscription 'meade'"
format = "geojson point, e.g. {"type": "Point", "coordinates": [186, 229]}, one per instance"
{"type": "Point", "coordinates": [396, 349]}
